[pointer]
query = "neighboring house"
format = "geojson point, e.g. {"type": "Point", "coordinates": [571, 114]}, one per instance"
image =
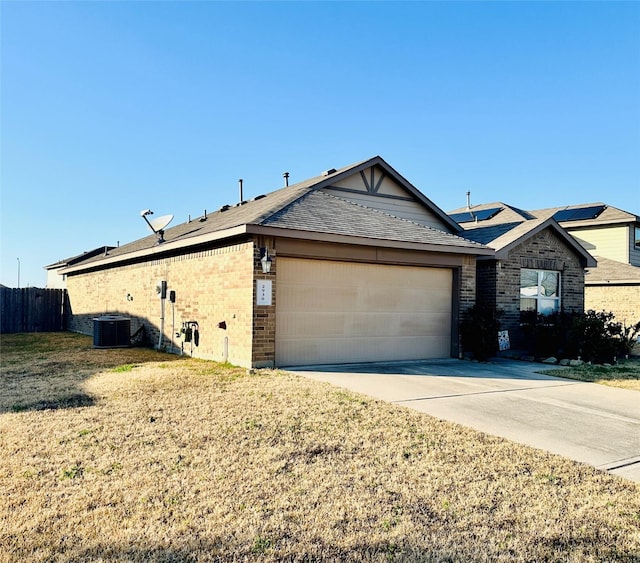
{"type": "Point", "coordinates": [363, 267]}
{"type": "Point", "coordinates": [613, 237]}
{"type": "Point", "coordinates": [602, 229]}
{"type": "Point", "coordinates": [614, 286]}
{"type": "Point", "coordinates": [56, 279]}
{"type": "Point", "coordinates": [536, 266]}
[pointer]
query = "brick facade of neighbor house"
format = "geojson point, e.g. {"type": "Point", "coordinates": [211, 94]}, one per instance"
{"type": "Point", "coordinates": [211, 286]}
{"type": "Point", "coordinates": [498, 281]}
{"type": "Point", "coordinates": [622, 300]}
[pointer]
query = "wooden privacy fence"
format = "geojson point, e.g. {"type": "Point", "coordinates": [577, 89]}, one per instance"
{"type": "Point", "coordinates": [32, 309]}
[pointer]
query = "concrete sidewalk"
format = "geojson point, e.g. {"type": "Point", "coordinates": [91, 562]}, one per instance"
{"type": "Point", "coordinates": [590, 423]}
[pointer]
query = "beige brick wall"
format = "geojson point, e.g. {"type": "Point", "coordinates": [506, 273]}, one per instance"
{"type": "Point", "coordinates": [621, 300]}
{"type": "Point", "coordinates": [211, 286]}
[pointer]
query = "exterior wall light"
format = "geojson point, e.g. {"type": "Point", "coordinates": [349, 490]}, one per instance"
{"type": "Point", "coordinates": [265, 261]}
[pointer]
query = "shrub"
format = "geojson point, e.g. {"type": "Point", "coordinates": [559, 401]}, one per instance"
{"type": "Point", "coordinates": [551, 335]}
{"type": "Point", "coordinates": [479, 331]}
{"type": "Point", "coordinates": [594, 336]}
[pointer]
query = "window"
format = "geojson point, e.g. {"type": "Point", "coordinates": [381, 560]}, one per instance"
{"type": "Point", "coordinates": [539, 291]}
{"type": "Point", "coordinates": [637, 238]}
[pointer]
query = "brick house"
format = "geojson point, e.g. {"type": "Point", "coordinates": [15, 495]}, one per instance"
{"type": "Point", "coordinates": [536, 266]}
{"type": "Point", "coordinates": [609, 234]}
{"type": "Point", "coordinates": [613, 237]}
{"type": "Point", "coordinates": [363, 267]}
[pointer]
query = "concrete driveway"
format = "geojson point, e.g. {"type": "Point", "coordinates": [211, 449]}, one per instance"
{"type": "Point", "coordinates": [586, 422]}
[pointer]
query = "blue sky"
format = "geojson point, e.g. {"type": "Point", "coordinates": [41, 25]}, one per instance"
{"type": "Point", "coordinates": [108, 108]}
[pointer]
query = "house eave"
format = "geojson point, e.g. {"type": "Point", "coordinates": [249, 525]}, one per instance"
{"type": "Point", "coordinates": [250, 229]}
{"type": "Point", "coordinates": [364, 241]}
{"type": "Point", "coordinates": [164, 248]}
{"type": "Point", "coordinates": [594, 223]}
{"type": "Point", "coordinates": [612, 282]}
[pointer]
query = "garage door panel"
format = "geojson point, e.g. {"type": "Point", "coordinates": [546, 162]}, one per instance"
{"type": "Point", "coordinates": [344, 325]}
{"type": "Point", "coordinates": [338, 351]}
{"type": "Point", "coordinates": [305, 297]}
{"type": "Point", "coordinates": [333, 312]}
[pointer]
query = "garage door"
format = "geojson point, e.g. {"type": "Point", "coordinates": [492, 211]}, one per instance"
{"type": "Point", "coordinates": [341, 312]}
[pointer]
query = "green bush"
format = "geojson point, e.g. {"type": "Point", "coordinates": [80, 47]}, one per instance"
{"type": "Point", "coordinates": [551, 335]}
{"type": "Point", "coordinates": [479, 331]}
{"type": "Point", "coordinates": [593, 336]}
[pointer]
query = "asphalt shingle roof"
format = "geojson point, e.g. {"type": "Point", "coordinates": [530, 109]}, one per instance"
{"type": "Point", "coordinates": [503, 237]}
{"type": "Point", "coordinates": [610, 271]}
{"type": "Point", "coordinates": [325, 213]}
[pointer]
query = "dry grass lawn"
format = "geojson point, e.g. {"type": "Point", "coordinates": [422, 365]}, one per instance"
{"type": "Point", "coordinates": [625, 374]}
{"type": "Point", "coordinates": [131, 455]}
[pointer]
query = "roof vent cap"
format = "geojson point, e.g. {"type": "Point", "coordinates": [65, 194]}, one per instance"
{"type": "Point", "coordinates": [329, 172]}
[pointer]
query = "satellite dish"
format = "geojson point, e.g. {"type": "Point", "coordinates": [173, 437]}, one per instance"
{"type": "Point", "coordinates": [159, 223]}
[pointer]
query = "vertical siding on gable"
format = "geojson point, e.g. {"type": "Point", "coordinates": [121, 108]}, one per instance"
{"type": "Point", "coordinates": [610, 242]}
{"type": "Point", "coordinates": [385, 184]}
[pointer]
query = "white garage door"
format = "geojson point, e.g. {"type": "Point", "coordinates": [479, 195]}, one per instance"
{"type": "Point", "coordinates": [341, 312]}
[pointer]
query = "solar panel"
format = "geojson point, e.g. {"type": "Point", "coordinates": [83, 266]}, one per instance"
{"type": "Point", "coordinates": [462, 217]}
{"type": "Point", "coordinates": [487, 213]}
{"type": "Point", "coordinates": [482, 215]}
{"type": "Point", "coordinates": [579, 213]}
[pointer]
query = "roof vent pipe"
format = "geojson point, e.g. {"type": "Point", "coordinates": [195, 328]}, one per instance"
{"type": "Point", "coordinates": [240, 187]}
{"type": "Point", "coordinates": [285, 175]}
{"type": "Point", "coordinates": [468, 200]}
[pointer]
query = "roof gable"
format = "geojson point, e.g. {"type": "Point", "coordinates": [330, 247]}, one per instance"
{"type": "Point", "coordinates": [376, 184]}
{"type": "Point", "coordinates": [504, 238]}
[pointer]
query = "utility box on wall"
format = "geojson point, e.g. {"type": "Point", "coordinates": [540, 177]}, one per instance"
{"type": "Point", "coordinates": [111, 331]}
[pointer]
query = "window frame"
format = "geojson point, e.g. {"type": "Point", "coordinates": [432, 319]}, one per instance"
{"type": "Point", "coordinates": [636, 237]}
{"type": "Point", "coordinates": [539, 297]}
